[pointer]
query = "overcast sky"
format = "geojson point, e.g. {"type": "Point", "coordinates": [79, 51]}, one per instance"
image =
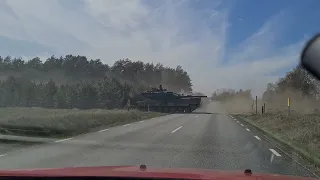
{"type": "Point", "coordinates": [221, 44]}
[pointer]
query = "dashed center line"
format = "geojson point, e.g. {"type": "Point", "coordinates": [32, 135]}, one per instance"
{"type": "Point", "coordinates": [241, 124]}
{"type": "Point", "coordinates": [103, 130]}
{"type": "Point", "coordinates": [275, 152]}
{"type": "Point", "coordinates": [257, 137]}
{"type": "Point", "coordinates": [1, 155]}
{"type": "Point", "coordinates": [63, 140]}
{"type": "Point", "coordinates": [176, 129]}
{"type": "Point", "coordinates": [126, 125]}
{"type": "Point", "coordinates": [247, 129]}
{"type": "Point", "coordinates": [238, 122]}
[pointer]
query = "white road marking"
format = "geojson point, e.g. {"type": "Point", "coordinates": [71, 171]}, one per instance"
{"type": "Point", "coordinates": [247, 129]}
{"type": "Point", "coordinates": [241, 124]}
{"type": "Point", "coordinates": [82, 142]}
{"type": "Point", "coordinates": [271, 158]}
{"type": "Point", "coordinates": [257, 137]}
{"type": "Point", "coordinates": [231, 116]}
{"type": "Point", "coordinates": [238, 122]}
{"type": "Point", "coordinates": [176, 129]}
{"type": "Point", "coordinates": [126, 125]}
{"type": "Point", "coordinates": [63, 140]}
{"type": "Point", "coordinates": [275, 152]}
{"type": "Point", "coordinates": [141, 121]}
{"type": "Point", "coordinates": [103, 130]}
{"type": "Point", "coordinates": [2, 155]}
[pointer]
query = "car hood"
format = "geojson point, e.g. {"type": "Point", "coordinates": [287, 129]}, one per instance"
{"type": "Point", "coordinates": [136, 171]}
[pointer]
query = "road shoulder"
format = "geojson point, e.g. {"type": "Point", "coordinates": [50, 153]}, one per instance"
{"type": "Point", "coordinates": [297, 154]}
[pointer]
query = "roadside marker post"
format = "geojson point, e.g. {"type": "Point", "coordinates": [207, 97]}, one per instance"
{"type": "Point", "coordinates": [288, 106]}
{"type": "Point", "coordinates": [257, 105]}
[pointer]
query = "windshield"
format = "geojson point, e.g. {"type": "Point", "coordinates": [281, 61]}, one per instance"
{"type": "Point", "coordinates": [78, 80]}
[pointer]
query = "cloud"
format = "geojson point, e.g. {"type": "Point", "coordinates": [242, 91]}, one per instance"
{"type": "Point", "coordinates": [255, 61]}
{"type": "Point", "coordinates": [176, 32]}
{"type": "Point", "coordinates": [259, 59]}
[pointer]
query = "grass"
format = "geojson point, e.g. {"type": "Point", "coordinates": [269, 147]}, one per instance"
{"type": "Point", "coordinates": [65, 122]}
{"type": "Point", "coordinates": [301, 132]}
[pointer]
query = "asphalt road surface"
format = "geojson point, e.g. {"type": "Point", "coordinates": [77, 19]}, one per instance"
{"type": "Point", "coordinates": [211, 141]}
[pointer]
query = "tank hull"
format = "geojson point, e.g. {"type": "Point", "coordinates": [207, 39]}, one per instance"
{"type": "Point", "coordinates": [175, 106]}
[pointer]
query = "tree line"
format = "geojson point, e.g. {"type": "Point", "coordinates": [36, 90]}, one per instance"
{"type": "Point", "coordinates": [76, 82]}
{"type": "Point", "coordinates": [230, 94]}
{"type": "Point", "coordinates": [297, 84]}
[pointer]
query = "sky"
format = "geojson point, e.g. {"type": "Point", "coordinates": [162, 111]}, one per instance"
{"type": "Point", "coordinates": [220, 43]}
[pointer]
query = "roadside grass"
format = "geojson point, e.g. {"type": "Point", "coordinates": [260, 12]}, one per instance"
{"type": "Point", "coordinates": [301, 132]}
{"type": "Point", "coordinates": [64, 122]}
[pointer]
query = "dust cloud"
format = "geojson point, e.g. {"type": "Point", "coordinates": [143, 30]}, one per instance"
{"type": "Point", "coordinates": [273, 103]}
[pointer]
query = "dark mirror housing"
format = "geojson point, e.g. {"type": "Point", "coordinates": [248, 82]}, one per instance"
{"type": "Point", "coordinates": [310, 56]}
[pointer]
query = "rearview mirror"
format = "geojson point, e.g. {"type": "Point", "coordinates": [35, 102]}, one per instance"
{"type": "Point", "coordinates": [310, 57]}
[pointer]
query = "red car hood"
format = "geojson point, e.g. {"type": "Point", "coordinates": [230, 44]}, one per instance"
{"type": "Point", "coordinates": [134, 171]}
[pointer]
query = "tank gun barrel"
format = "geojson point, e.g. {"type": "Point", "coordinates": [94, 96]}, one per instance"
{"type": "Point", "coordinates": [194, 96]}
{"type": "Point", "coordinates": [200, 96]}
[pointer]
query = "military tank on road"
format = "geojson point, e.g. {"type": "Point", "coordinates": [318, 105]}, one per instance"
{"type": "Point", "coordinates": [161, 100]}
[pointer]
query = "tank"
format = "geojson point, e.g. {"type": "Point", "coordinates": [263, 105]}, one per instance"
{"type": "Point", "coordinates": [161, 100]}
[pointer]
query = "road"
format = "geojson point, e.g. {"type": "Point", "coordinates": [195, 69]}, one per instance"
{"type": "Point", "coordinates": [212, 141]}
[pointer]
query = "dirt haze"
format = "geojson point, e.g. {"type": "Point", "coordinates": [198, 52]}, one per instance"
{"type": "Point", "coordinates": [274, 103]}
{"type": "Point", "coordinates": [237, 105]}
